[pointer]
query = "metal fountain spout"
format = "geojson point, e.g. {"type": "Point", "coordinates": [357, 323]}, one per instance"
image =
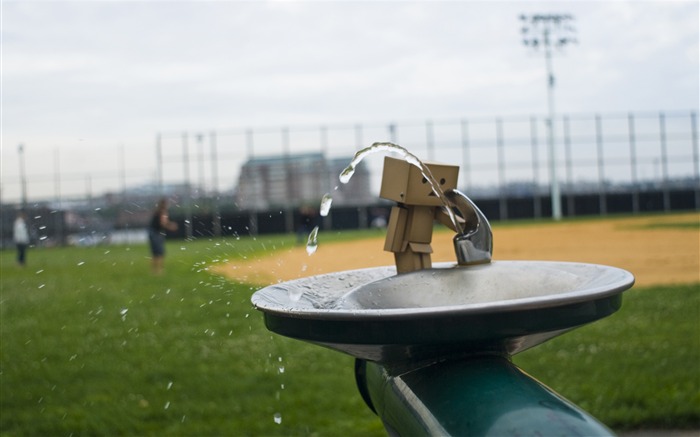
{"type": "Point", "coordinates": [474, 244]}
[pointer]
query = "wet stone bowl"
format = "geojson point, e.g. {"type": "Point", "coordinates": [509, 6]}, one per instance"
{"type": "Point", "coordinates": [502, 307]}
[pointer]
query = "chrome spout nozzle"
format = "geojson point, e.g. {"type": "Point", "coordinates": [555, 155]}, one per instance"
{"type": "Point", "coordinates": [474, 244]}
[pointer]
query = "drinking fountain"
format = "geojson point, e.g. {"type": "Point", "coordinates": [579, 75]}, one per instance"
{"type": "Point", "coordinates": [433, 342]}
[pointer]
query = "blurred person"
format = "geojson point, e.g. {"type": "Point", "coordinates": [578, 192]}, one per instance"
{"type": "Point", "coordinates": [20, 235]}
{"type": "Point", "coordinates": [160, 224]}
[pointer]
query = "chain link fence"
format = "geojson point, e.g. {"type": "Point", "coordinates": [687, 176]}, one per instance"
{"type": "Point", "coordinates": [606, 163]}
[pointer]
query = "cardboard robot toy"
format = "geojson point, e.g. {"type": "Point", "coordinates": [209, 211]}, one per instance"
{"type": "Point", "coordinates": [410, 227]}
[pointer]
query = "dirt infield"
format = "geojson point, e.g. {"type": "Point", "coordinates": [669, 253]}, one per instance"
{"type": "Point", "coordinates": [663, 249]}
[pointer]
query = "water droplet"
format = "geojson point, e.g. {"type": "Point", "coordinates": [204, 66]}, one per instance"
{"type": "Point", "coordinates": [81, 263]}
{"type": "Point", "coordinates": [295, 294]}
{"type": "Point", "coordinates": [281, 369]}
{"type": "Point", "coordinates": [326, 202]}
{"type": "Point", "coordinates": [277, 418]}
{"type": "Point", "coordinates": [170, 385]}
{"type": "Point", "coordinates": [312, 242]}
{"type": "Point", "coordinates": [167, 405]}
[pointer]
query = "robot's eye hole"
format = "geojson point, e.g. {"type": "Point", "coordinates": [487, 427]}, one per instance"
{"type": "Point", "coordinates": [442, 181]}
{"type": "Point", "coordinates": [425, 181]}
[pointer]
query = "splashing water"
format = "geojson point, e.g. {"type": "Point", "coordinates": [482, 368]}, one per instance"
{"type": "Point", "coordinates": [326, 204]}
{"type": "Point", "coordinates": [377, 147]}
{"type": "Point", "coordinates": [295, 293]}
{"type": "Point", "coordinates": [407, 156]}
{"type": "Point", "coordinates": [277, 418]}
{"type": "Point", "coordinates": [312, 242]}
{"type": "Point", "coordinates": [349, 171]}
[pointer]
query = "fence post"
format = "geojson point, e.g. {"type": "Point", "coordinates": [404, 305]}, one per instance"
{"type": "Point", "coordinates": [325, 180]}
{"type": "Point", "coordinates": [602, 198]}
{"type": "Point", "coordinates": [358, 137]}
{"type": "Point", "coordinates": [534, 155]}
{"type": "Point", "coordinates": [430, 139]}
{"type": "Point", "coordinates": [633, 163]}
{"type": "Point", "coordinates": [323, 133]}
{"type": "Point", "coordinates": [568, 157]}
{"type": "Point", "coordinates": [159, 163]}
{"type": "Point", "coordinates": [393, 135]}
{"type": "Point", "coordinates": [696, 155]}
{"type": "Point", "coordinates": [466, 167]}
{"type": "Point", "coordinates": [122, 171]}
{"type": "Point", "coordinates": [250, 148]}
{"type": "Point", "coordinates": [216, 214]}
{"type": "Point", "coordinates": [502, 194]}
{"type": "Point", "coordinates": [289, 178]}
{"type": "Point", "coordinates": [88, 189]}
{"type": "Point", "coordinates": [59, 219]}
{"type": "Point", "coordinates": [664, 162]}
{"type": "Point", "coordinates": [187, 201]}
{"type": "Point", "coordinates": [200, 164]}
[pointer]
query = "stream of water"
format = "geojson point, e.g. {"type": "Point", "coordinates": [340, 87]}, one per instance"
{"type": "Point", "coordinates": [407, 156]}
{"type": "Point", "coordinates": [349, 171]}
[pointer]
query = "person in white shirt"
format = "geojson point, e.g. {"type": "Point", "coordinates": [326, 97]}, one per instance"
{"type": "Point", "coordinates": [20, 235]}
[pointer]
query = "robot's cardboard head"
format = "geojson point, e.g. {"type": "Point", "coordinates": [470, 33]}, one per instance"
{"type": "Point", "coordinates": [403, 182]}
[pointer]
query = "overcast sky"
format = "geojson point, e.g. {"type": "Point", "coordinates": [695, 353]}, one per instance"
{"type": "Point", "coordinates": [86, 75]}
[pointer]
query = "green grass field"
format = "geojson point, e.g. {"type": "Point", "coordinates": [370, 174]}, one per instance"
{"type": "Point", "coordinates": [93, 344]}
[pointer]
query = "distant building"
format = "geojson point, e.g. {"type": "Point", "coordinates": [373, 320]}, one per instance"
{"type": "Point", "coordinates": [302, 179]}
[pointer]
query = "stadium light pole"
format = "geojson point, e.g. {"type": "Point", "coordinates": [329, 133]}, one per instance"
{"type": "Point", "coordinates": [549, 32]}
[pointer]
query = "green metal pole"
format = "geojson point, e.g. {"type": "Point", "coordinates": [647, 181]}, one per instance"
{"type": "Point", "coordinates": [473, 396]}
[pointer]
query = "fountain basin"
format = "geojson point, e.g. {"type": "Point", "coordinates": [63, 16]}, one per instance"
{"type": "Point", "coordinates": [502, 307]}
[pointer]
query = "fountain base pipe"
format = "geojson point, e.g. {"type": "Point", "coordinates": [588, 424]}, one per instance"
{"type": "Point", "coordinates": [474, 396]}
